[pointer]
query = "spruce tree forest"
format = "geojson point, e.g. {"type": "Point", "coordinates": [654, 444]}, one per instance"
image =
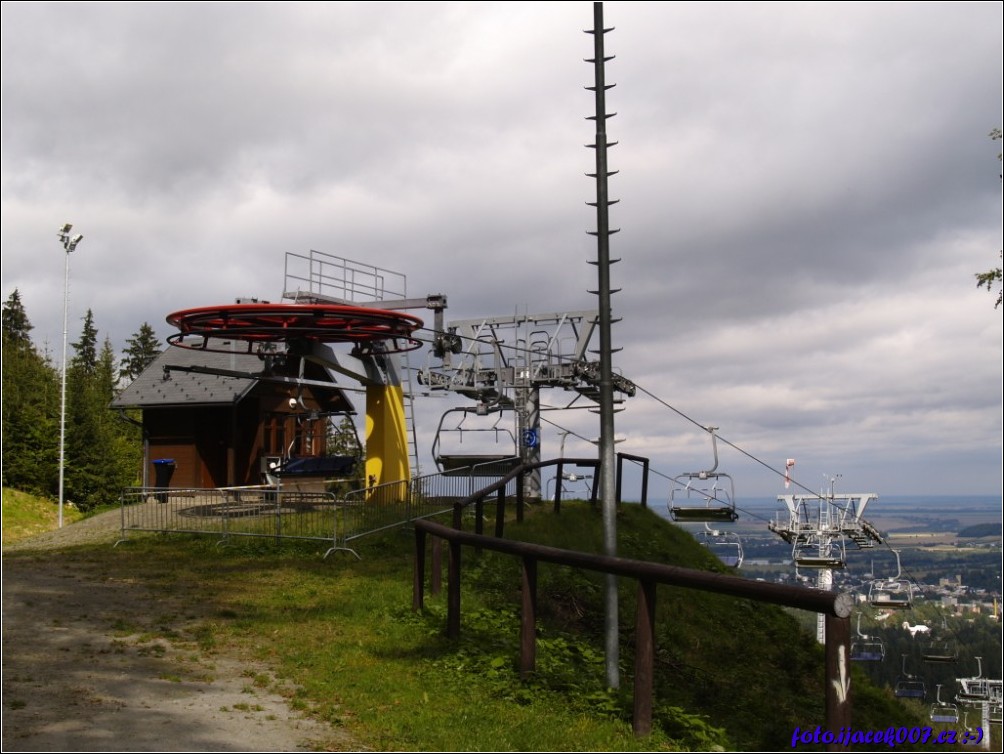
{"type": "Point", "coordinates": [103, 448]}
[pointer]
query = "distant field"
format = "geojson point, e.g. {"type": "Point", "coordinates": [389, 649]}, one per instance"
{"type": "Point", "coordinates": [921, 539]}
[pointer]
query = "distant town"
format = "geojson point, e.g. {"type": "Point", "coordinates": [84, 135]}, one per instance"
{"type": "Point", "coordinates": [949, 549]}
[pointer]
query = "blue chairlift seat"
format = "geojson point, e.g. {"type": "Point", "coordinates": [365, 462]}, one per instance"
{"type": "Point", "coordinates": [910, 688]}
{"type": "Point", "coordinates": [944, 715]}
{"type": "Point", "coordinates": [866, 648]}
{"type": "Point", "coordinates": [314, 466]}
{"type": "Point", "coordinates": [944, 712]}
{"type": "Point", "coordinates": [867, 651]}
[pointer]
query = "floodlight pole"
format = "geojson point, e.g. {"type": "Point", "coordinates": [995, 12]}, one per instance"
{"type": "Point", "coordinates": [606, 398]}
{"type": "Point", "coordinates": [69, 244]}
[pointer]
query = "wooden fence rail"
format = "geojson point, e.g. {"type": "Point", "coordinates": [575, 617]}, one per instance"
{"type": "Point", "coordinates": [835, 606]}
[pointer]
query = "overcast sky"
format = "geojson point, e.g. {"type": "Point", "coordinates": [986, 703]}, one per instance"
{"type": "Point", "coordinates": [806, 192]}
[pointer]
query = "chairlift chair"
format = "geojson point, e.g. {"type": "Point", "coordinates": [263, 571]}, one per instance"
{"type": "Point", "coordinates": [909, 686]}
{"type": "Point", "coordinates": [500, 457]}
{"type": "Point", "coordinates": [996, 713]}
{"type": "Point", "coordinates": [804, 560]}
{"type": "Point", "coordinates": [944, 712]}
{"type": "Point", "coordinates": [891, 595]}
{"type": "Point", "coordinates": [866, 648]}
{"type": "Point", "coordinates": [895, 593]}
{"type": "Point", "coordinates": [691, 504]}
{"type": "Point", "coordinates": [868, 651]}
{"type": "Point", "coordinates": [725, 545]}
{"type": "Point", "coordinates": [939, 650]}
{"type": "Point", "coordinates": [815, 552]}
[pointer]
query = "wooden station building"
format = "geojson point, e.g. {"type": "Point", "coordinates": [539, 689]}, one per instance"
{"type": "Point", "coordinates": [221, 419]}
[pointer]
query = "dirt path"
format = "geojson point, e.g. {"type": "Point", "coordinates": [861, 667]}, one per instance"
{"type": "Point", "coordinates": [82, 670]}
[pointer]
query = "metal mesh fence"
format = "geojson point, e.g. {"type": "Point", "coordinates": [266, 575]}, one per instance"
{"type": "Point", "coordinates": [226, 511]}
{"type": "Point", "coordinates": [293, 514]}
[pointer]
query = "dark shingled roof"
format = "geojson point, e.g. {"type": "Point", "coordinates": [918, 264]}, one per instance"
{"type": "Point", "coordinates": [155, 387]}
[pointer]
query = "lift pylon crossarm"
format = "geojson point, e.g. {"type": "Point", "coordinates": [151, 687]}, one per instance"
{"type": "Point", "coordinates": [977, 691]}
{"type": "Point", "coordinates": [782, 530]}
{"type": "Point", "coordinates": [818, 527]}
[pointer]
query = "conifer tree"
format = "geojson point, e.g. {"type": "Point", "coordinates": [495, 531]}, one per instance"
{"type": "Point", "coordinates": [93, 474]}
{"type": "Point", "coordinates": [30, 407]}
{"type": "Point", "coordinates": [143, 348]}
{"type": "Point", "coordinates": [85, 360]}
{"type": "Point", "coordinates": [16, 327]}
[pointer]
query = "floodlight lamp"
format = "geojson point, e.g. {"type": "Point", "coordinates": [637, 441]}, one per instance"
{"type": "Point", "coordinates": [67, 227]}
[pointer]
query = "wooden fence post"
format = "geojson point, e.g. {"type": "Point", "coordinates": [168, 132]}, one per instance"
{"type": "Point", "coordinates": [520, 501]}
{"type": "Point", "coordinates": [528, 620]}
{"type": "Point", "coordinates": [838, 675]}
{"type": "Point", "coordinates": [649, 574]}
{"type": "Point", "coordinates": [644, 658]}
{"type": "Point", "coordinates": [453, 593]}
{"type": "Point", "coordinates": [500, 512]}
{"type": "Point", "coordinates": [418, 584]}
{"type": "Point", "coordinates": [436, 580]}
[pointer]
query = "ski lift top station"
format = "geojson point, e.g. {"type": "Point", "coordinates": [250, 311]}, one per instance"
{"type": "Point", "coordinates": [349, 317]}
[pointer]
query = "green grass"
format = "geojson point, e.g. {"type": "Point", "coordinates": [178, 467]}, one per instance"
{"type": "Point", "coordinates": [341, 642]}
{"type": "Point", "coordinates": [26, 515]}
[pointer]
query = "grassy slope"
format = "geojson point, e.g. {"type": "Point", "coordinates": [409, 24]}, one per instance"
{"type": "Point", "coordinates": [347, 646]}
{"type": "Point", "coordinates": [745, 667]}
{"type": "Point", "coordinates": [25, 515]}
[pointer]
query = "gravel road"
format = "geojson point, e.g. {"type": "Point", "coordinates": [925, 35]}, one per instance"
{"type": "Point", "coordinates": [82, 673]}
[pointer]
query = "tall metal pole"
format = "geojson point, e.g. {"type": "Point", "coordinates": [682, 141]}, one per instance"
{"type": "Point", "coordinates": [69, 244]}
{"type": "Point", "coordinates": [603, 262]}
